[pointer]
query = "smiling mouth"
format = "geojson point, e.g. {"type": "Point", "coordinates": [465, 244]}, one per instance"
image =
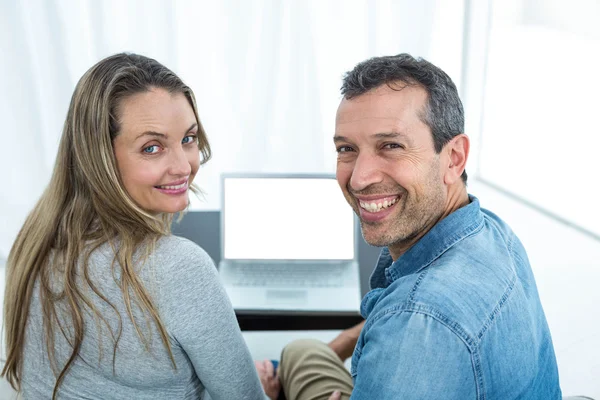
{"type": "Point", "coordinates": [375, 207]}
{"type": "Point", "coordinates": [173, 187]}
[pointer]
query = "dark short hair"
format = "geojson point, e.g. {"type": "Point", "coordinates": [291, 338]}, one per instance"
{"type": "Point", "coordinates": [443, 112]}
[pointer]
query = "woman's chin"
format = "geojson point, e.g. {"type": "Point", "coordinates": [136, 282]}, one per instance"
{"type": "Point", "coordinates": [171, 208]}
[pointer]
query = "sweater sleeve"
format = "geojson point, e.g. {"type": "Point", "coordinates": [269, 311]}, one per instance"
{"type": "Point", "coordinates": [199, 316]}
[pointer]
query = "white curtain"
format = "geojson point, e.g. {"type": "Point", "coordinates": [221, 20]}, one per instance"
{"type": "Point", "coordinates": [266, 75]}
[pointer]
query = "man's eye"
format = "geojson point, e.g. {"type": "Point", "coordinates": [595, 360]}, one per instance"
{"type": "Point", "coordinates": [392, 146]}
{"type": "Point", "coordinates": [189, 139]}
{"type": "Point", "coordinates": [151, 149]}
{"type": "Point", "coordinates": [344, 149]}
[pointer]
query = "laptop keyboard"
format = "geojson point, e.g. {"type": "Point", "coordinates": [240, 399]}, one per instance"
{"type": "Point", "coordinates": [299, 275]}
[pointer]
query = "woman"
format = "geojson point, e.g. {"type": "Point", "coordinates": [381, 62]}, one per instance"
{"type": "Point", "coordinates": [101, 301]}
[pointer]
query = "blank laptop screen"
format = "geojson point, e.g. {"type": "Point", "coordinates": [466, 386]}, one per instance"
{"type": "Point", "coordinates": [286, 219]}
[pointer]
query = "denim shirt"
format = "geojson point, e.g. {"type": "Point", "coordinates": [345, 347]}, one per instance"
{"type": "Point", "coordinates": [457, 316]}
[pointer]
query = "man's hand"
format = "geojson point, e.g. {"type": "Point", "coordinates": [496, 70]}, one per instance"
{"type": "Point", "coordinates": [343, 345]}
{"type": "Point", "coordinates": [269, 379]}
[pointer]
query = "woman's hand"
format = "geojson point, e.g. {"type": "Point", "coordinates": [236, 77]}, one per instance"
{"type": "Point", "coordinates": [337, 395]}
{"type": "Point", "coordinates": [269, 379]}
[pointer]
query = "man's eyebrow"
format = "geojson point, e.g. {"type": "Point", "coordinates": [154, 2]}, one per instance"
{"type": "Point", "coordinates": [162, 135]}
{"type": "Point", "coordinates": [382, 135]}
{"type": "Point", "coordinates": [391, 135]}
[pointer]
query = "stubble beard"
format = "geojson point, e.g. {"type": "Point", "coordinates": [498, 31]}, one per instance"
{"type": "Point", "coordinates": [412, 218]}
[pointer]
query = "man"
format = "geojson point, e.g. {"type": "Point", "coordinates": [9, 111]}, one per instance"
{"type": "Point", "coordinates": [454, 311]}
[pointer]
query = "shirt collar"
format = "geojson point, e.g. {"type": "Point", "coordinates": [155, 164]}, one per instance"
{"type": "Point", "coordinates": [440, 238]}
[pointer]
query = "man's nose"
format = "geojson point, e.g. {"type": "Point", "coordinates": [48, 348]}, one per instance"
{"type": "Point", "coordinates": [367, 171]}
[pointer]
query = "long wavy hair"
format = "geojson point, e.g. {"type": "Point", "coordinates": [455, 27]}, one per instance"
{"type": "Point", "coordinates": [85, 206]}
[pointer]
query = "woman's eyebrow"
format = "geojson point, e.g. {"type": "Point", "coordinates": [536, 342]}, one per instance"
{"type": "Point", "coordinates": [163, 135]}
{"type": "Point", "coordinates": [151, 133]}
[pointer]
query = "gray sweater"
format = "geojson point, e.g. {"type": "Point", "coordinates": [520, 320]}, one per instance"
{"type": "Point", "coordinates": [207, 344]}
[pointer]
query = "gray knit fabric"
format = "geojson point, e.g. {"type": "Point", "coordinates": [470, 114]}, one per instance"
{"type": "Point", "coordinates": [208, 347]}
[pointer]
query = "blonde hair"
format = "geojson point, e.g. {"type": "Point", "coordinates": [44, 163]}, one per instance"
{"type": "Point", "coordinates": [84, 206]}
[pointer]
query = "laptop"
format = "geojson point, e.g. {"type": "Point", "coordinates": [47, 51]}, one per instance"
{"type": "Point", "coordinates": [288, 242]}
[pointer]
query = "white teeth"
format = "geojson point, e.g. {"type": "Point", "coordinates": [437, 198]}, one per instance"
{"type": "Point", "coordinates": [175, 187]}
{"type": "Point", "coordinates": [376, 207]}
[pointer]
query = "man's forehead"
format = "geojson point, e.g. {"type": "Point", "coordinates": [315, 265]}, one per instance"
{"type": "Point", "coordinates": [379, 119]}
{"type": "Point", "coordinates": [381, 114]}
{"type": "Point", "coordinates": [373, 121]}
{"type": "Point", "coordinates": [383, 103]}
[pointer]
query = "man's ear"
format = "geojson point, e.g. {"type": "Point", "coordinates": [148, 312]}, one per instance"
{"type": "Point", "coordinates": [457, 150]}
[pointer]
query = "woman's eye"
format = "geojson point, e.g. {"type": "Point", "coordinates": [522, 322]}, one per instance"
{"type": "Point", "coordinates": [189, 139]}
{"type": "Point", "coordinates": [151, 149]}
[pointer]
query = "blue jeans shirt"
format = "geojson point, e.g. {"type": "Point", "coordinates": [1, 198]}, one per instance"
{"type": "Point", "coordinates": [457, 316]}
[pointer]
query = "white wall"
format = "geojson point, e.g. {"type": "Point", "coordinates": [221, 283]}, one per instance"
{"type": "Point", "coordinates": [540, 134]}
